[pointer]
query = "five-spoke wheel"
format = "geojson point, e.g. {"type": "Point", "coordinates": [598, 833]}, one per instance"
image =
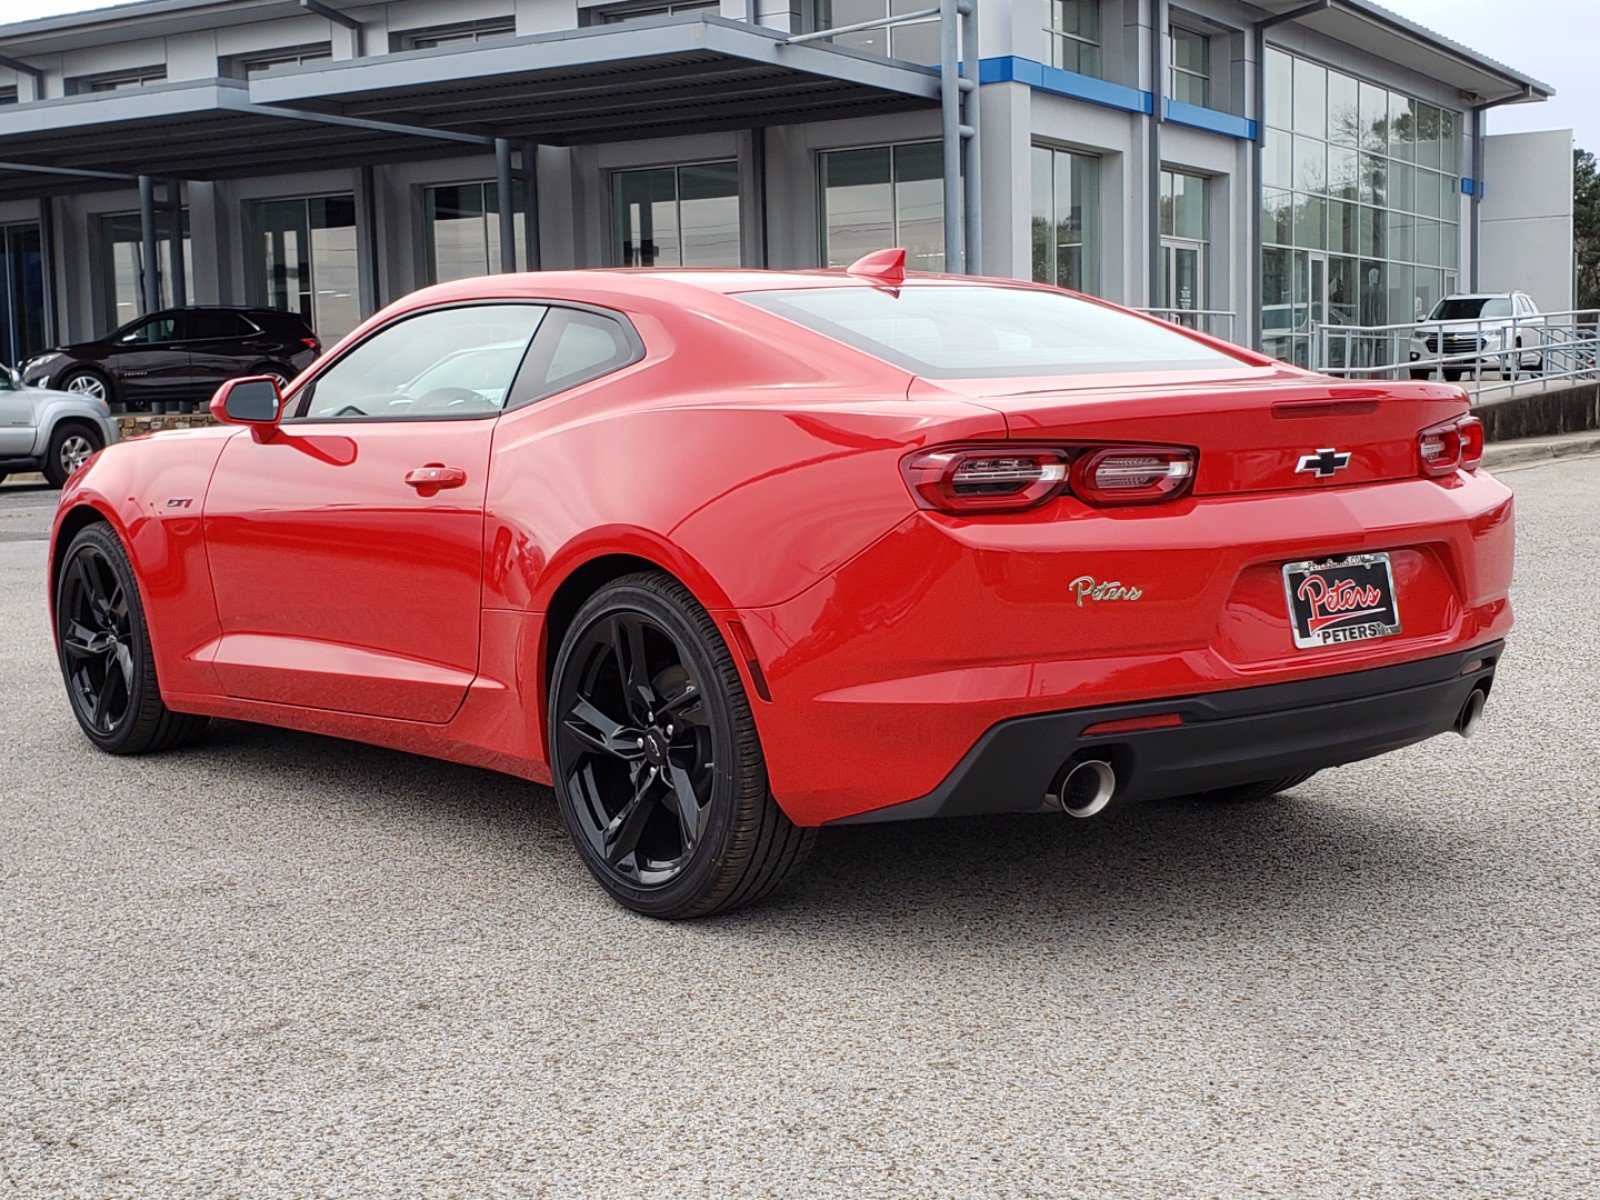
{"type": "Point", "coordinates": [656, 760]}
{"type": "Point", "coordinates": [104, 646]}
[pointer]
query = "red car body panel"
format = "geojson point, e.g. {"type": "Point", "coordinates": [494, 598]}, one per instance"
{"type": "Point", "coordinates": [297, 580]}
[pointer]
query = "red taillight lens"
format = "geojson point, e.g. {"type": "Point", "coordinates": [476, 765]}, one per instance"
{"type": "Point", "coordinates": [1133, 474]}
{"type": "Point", "coordinates": [311, 344]}
{"type": "Point", "coordinates": [1450, 446]}
{"type": "Point", "coordinates": [1471, 443]}
{"type": "Point", "coordinates": [985, 480]}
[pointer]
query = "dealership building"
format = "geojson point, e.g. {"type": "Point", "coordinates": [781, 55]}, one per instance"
{"type": "Point", "coordinates": [1271, 166]}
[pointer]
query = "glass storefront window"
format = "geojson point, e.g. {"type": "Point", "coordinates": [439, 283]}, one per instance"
{"type": "Point", "coordinates": [1066, 219]}
{"type": "Point", "coordinates": [1371, 227]}
{"type": "Point", "coordinates": [915, 43]}
{"type": "Point", "coordinates": [883, 196]}
{"type": "Point", "coordinates": [463, 231]}
{"type": "Point", "coordinates": [1185, 242]}
{"type": "Point", "coordinates": [306, 261]}
{"type": "Point", "coordinates": [122, 265]}
{"type": "Point", "coordinates": [21, 293]}
{"type": "Point", "coordinates": [684, 216]}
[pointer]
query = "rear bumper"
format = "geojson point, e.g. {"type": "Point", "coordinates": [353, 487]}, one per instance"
{"type": "Point", "coordinates": [1226, 738]}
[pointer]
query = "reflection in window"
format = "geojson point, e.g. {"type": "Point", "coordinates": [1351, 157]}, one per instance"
{"type": "Point", "coordinates": [306, 261]}
{"type": "Point", "coordinates": [122, 264]}
{"type": "Point", "coordinates": [684, 216]}
{"type": "Point", "coordinates": [1066, 219]}
{"type": "Point", "coordinates": [1189, 74]}
{"type": "Point", "coordinates": [913, 42]}
{"type": "Point", "coordinates": [451, 362]}
{"type": "Point", "coordinates": [463, 224]}
{"type": "Point", "coordinates": [1072, 29]}
{"type": "Point", "coordinates": [883, 196]}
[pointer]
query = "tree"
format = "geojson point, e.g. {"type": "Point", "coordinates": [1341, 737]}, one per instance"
{"type": "Point", "coordinates": [1586, 227]}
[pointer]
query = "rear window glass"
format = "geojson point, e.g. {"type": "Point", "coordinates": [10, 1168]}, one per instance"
{"type": "Point", "coordinates": [979, 332]}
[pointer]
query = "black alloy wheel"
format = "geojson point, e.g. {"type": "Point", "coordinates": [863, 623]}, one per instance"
{"type": "Point", "coordinates": [656, 760]}
{"type": "Point", "coordinates": [104, 647]}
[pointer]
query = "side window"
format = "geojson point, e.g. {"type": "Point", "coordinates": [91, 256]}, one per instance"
{"type": "Point", "coordinates": [202, 326]}
{"type": "Point", "coordinates": [573, 347]}
{"type": "Point", "coordinates": [451, 362]}
{"type": "Point", "coordinates": [152, 331]}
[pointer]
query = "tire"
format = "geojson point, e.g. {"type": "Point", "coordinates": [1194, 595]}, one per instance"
{"type": "Point", "coordinates": [1248, 793]}
{"type": "Point", "coordinates": [85, 381]}
{"type": "Point", "coordinates": [70, 444]}
{"type": "Point", "coordinates": [631, 750]}
{"type": "Point", "coordinates": [103, 643]}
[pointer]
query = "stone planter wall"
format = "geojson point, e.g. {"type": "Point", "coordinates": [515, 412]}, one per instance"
{"type": "Point", "coordinates": [132, 425]}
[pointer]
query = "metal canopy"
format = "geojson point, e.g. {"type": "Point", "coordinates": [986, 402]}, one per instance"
{"type": "Point", "coordinates": [645, 78]}
{"type": "Point", "coordinates": [203, 130]}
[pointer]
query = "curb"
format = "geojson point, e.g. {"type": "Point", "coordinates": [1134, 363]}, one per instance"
{"type": "Point", "coordinates": [1499, 456]}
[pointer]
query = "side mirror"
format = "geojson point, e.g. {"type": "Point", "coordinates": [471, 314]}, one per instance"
{"type": "Point", "coordinates": [254, 401]}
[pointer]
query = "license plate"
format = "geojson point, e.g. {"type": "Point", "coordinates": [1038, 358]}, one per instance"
{"type": "Point", "coordinates": [1334, 601]}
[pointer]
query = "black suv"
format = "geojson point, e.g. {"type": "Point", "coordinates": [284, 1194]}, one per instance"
{"type": "Point", "coordinates": [178, 357]}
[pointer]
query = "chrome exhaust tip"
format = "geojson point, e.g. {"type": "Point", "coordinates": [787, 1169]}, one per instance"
{"type": "Point", "coordinates": [1086, 788]}
{"type": "Point", "coordinates": [1471, 713]}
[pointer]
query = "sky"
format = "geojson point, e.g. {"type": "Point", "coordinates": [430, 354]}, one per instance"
{"type": "Point", "coordinates": [1555, 41]}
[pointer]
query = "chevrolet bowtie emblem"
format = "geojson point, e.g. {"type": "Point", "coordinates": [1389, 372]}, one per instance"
{"type": "Point", "coordinates": [1324, 463]}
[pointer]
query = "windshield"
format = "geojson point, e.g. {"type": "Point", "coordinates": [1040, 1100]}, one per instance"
{"type": "Point", "coordinates": [986, 332]}
{"type": "Point", "coordinates": [1471, 308]}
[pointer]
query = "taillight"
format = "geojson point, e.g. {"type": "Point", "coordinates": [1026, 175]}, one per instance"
{"type": "Point", "coordinates": [1450, 446]}
{"type": "Point", "coordinates": [1132, 474]}
{"type": "Point", "coordinates": [979, 479]}
{"type": "Point", "coordinates": [985, 480]}
{"type": "Point", "coordinates": [311, 344]}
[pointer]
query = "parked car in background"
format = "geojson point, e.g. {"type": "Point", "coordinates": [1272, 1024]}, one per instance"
{"type": "Point", "coordinates": [178, 356]}
{"type": "Point", "coordinates": [53, 432]}
{"type": "Point", "coordinates": [1481, 331]}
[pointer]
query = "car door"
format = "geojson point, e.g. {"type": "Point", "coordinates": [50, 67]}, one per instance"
{"type": "Point", "coordinates": [17, 419]}
{"type": "Point", "coordinates": [215, 342]}
{"type": "Point", "coordinates": [149, 361]}
{"type": "Point", "coordinates": [346, 549]}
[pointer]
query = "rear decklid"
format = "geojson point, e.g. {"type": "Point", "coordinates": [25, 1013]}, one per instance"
{"type": "Point", "coordinates": [1256, 429]}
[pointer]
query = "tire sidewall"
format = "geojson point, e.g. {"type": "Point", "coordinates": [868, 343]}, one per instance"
{"type": "Point", "coordinates": [726, 785]}
{"type": "Point", "coordinates": [54, 471]}
{"type": "Point", "coordinates": [100, 538]}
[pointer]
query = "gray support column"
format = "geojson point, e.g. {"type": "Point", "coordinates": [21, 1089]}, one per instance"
{"type": "Point", "coordinates": [950, 131]}
{"type": "Point", "coordinates": [369, 253]}
{"type": "Point", "coordinates": [1158, 91]}
{"type": "Point", "coordinates": [47, 268]}
{"type": "Point", "coordinates": [505, 202]}
{"type": "Point", "coordinates": [758, 184]}
{"type": "Point", "coordinates": [147, 231]}
{"type": "Point", "coordinates": [180, 271]}
{"type": "Point", "coordinates": [1257, 158]}
{"type": "Point", "coordinates": [1475, 201]}
{"type": "Point", "coordinates": [530, 204]}
{"type": "Point", "coordinates": [971, 166]}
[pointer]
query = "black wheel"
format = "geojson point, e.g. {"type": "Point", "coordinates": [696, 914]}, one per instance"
{"type": "Point", "coordinates": [86, 382]}
{"type": "Point", "coordinates": [104, 647]}
{"type": "Point", "coordinates": [1246, 793]}
{"type": "Point", "coordinates": [71, 445]}
{"type": "Point", "coordinates": [656, 761]}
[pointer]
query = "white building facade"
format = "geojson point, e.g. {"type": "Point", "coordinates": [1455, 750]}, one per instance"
{"type": "Point", "coordinates": [1267, 167]}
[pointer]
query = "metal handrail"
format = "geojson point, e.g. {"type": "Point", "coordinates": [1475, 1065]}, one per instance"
{"type": "Point", "coordinates": [1217, 322]}
{"type": "Point", "coordinates": [1514, 349]}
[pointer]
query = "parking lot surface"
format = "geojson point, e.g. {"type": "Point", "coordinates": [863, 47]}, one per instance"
{"type": "Point", "coordinates": [277, 965]}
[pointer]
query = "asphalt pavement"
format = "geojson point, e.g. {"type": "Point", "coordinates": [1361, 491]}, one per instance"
{"type": "Point", "coordinates": [281, 966]}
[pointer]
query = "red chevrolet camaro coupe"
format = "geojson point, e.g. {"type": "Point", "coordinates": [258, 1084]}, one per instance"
{"type": "Point", "coordinates": [726, 556]}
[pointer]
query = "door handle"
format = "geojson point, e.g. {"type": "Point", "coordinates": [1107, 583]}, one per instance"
{"type": "Point", "coordinates": [434, 478]}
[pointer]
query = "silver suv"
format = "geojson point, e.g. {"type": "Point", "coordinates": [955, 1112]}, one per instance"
{"type": "Point", "coordinates": [49, 431]}
{"type": "Point", "coordinates": [1480, 331]}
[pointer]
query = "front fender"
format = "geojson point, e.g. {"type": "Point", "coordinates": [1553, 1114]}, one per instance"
{"type": "Point", "coordinates": [151, 492]}
{"type": "Point", "coordinates": [50, 409]}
